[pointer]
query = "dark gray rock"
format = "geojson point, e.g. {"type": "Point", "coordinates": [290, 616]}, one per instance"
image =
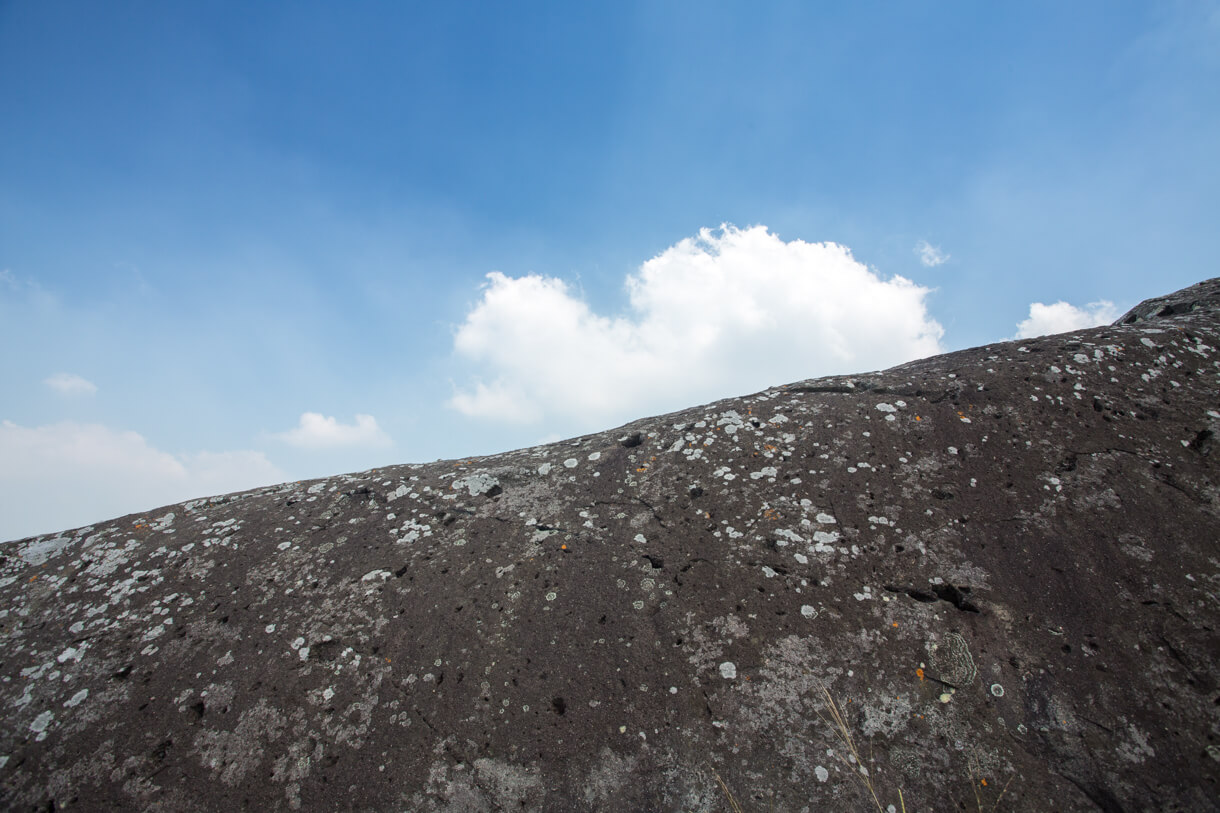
{"type": "Point", "coordinates": [1203, 295]}
{"type": "Point", "coordinates": [998, 565]}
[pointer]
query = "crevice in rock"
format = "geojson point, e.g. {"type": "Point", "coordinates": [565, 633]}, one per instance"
{"type": "Point", "coordinates": [957, 596]}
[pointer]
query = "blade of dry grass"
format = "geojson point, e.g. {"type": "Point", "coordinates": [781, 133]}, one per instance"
{"type": "Point", "coordinates": [728, 793]}
{"type": "Point", "coordinates": [838, 724]}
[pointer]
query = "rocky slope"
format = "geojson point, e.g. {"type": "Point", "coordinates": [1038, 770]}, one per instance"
{"type": "Point", "coordinates": [999, 567]}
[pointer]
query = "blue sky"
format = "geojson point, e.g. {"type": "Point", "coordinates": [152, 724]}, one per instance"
{"type": "Point", "coordinates": [228, 231]}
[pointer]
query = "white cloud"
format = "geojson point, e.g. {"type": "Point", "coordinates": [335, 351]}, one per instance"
{"type": "Point", "coordinates": [729, 311]}
{"type": "Point", "coordinates": [65, 475]}
{"type": "Point", "coordinates": [1062, 317]}
{"type": "Point", "coordinates": [70, 384]}
{"type": "Point", "coordinates": [317, 431]}
{"type": "Point", "coordinates": [930, 255]}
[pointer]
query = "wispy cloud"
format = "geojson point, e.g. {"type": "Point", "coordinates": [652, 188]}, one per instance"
{"type": "Point", "coordinates": [317, 431]}
{"type": "Point", "coordinates": [68, 474]}
{"type": "Point", "coordinates": [724, 312]}
{"type": "Point", "coordinates": [70, 384]}
{"type": "Point", "coordinates": [930, 255]}
{"type": "Point", "coordinates": [1062, 317]}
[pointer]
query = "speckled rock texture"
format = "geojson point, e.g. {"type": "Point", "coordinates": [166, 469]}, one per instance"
{"type": "Point", "coordinates": [999, 566]}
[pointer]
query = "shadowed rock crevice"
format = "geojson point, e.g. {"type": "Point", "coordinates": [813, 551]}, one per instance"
{"type": "Point", "coordinates": [998, 565]}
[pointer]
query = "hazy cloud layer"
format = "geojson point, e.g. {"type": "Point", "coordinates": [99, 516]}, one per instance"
{"type": "Point", "coordinates": [930, 255]}
{"type": "Point", "coordinates": [70, 384]}
{"type": "Point", "coordinates": [317, 431]}
{"type": "Point", "coordinates": [68, 474]}
{"type": "Point", "coordinates": [726, 312]}
{"type": "Point", "coordinates": [1061, 317]}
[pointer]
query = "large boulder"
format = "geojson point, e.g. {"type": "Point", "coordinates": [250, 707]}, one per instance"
{"type": "Point", "coordinates": [986, 580]}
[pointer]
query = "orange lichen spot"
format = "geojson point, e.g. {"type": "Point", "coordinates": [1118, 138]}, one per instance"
{"type": "Point", "coordinates": [983, 782]}
{"type": "Point", "coordinates": [642, 468]}
{"type": "Point", "coordinates": [894, 624]}
{"type": "Point", "coordinates": [919, 673]}
{"type": "Point", "coordinates": [563, 547]}
{"type": "Point", "coordinates": [918, 418]}
{"type": "Point", "coordinates": [35, 576]}
{"type": "Point", "coordinates": [387, 660]}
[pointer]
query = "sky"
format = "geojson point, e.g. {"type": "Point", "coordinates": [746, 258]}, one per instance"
{"type": "Point", "coordinates": [247, 243]}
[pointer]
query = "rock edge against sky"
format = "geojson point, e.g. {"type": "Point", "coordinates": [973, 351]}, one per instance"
{"type": "Point", "coordinates": [1001, 564]}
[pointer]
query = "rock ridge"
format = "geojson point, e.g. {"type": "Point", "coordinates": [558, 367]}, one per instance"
{"type": "Point", "coordinates": [999, 567]}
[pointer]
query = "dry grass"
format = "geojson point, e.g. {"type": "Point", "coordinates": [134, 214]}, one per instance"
{"type": "Point", "coordinates": [736, 808]}
{"type": "Point", "coordinates": [855, 765]}
{"type": "Point", "coordinates": [977, 781]}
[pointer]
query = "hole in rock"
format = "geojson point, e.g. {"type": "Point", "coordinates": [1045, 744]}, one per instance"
{"type": "Point", "coordinates": [957, 596]}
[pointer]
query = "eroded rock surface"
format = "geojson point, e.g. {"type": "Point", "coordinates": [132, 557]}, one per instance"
{"type": "Point", "coordinates": [1001, 564]}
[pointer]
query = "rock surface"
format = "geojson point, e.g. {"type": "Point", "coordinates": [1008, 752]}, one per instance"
{"type": "Point", "coordinates": [1000, 566]}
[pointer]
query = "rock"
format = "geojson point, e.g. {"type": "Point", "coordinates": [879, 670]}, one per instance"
{"type": "Point", "coordinates": [995, 566]}
{"type": "Point", "coordinates": [1204, 295]}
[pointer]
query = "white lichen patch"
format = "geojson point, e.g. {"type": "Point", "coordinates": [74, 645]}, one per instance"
{"type": "Point", "coordinates": [39, 551]}
{"type": "Point", "coordinates": [823, 541]}
{"type": "Point", "coordinates": [41, 723]}
{"type": "Point", "coordinates": [476, 484]}
{"type": "Point", "coordinates": [73, 654]}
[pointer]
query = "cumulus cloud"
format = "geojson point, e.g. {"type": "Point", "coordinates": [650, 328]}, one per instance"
{"type": "Point", "coordinates": [1062, 317]}
{"type": "Point", "coordinates": [930, 255]}
{"type": "Point", "coordinates": [70, 384]}
{"type": "Point", "coordinates": [725, 312]}
{"type": "Point", "coordinates": [69, 474]}
{"type": "Point", "coordinates": [317, 431]}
